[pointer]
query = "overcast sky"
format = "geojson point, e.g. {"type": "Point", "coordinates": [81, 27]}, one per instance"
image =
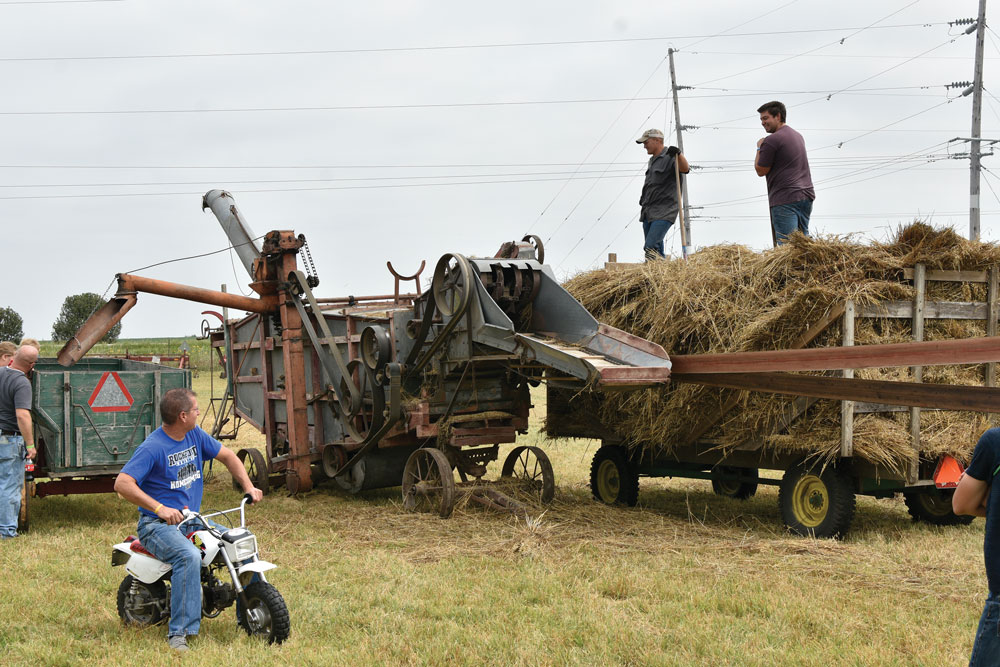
{"type": "Point", "coordinates": [404, 130]}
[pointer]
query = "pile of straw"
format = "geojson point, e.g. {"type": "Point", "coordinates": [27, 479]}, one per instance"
{"type": "Point", "coordinates": [730, 298]}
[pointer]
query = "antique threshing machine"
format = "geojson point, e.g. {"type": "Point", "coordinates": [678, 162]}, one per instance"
{"type": "Point", "coordinates": [399, 389]}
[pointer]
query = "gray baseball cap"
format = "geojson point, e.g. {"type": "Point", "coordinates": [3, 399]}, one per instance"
{"type": "Point", "coordinates": [649, 134]}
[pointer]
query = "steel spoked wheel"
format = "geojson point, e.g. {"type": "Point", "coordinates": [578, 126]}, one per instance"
{"type": "Point", "coordinates": [428, 483]}
{"type": "Point", "coordinates": [256, 467]}
{"type": "Point", "coordinates": [613, 480]}
{"type": "Point", "coordinates": [817, 502]}
{"type": "Point", "coordinates": [934, 507]}
{"type": "Point", "coordinates": [142, 604]}
{"type": "Point", "coordinates": [531, 469]}
{"type": "Point", "coordinates": [266, 615]}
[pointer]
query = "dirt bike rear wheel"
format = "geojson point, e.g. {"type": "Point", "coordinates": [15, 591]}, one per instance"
{"type": "Point", "coordinates": [146, 605]}
{"type": "Point", "coordinates": [266, 615]}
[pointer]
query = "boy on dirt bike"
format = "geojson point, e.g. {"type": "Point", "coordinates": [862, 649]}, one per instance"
{"type": "Point", "coordinates": [164, 476]}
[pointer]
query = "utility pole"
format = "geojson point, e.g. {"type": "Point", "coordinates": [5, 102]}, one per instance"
{"type": "Point", "coordinates": [977, 109]}
{"type": "Point", "coordinates": [680, 144]}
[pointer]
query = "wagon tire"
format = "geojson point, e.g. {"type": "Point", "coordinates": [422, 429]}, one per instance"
{"type": "Point", "coordinates": [27, 491]}
{"type": "Point", "coordinates": [736, 489]}
{"type": "Point", "coordinates": [613, 480]}
{"type": "Point", "coordinates": [266, 615]}
{"type": "Point", "coordinates": [256, 466]}
{"type": "Point", "coordinates": [147, 597]}
{"type": "Point", "coordinates": [817, 502]}
{"type": "Point", "coordinates": [934, 507]}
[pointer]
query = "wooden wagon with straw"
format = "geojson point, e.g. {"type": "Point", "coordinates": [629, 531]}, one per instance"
{"type": "Point", "coordinates": [731, 303]}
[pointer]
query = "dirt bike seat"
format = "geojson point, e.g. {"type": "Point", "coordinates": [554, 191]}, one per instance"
{"type": "Point", "coordinates": [137, 547]}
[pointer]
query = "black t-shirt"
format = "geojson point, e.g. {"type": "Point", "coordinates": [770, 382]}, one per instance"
{"type": "Point", "coordinates": [984, 466]}
{"type": "Point", "coordinates": [15, 394]}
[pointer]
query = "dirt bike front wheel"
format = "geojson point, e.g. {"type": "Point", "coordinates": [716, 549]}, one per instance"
{"type": "Point", "coordinates": [266, 615]}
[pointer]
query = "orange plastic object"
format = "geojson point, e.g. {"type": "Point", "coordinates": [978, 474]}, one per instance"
{"type": "Point", "coordinates": [947, 473]}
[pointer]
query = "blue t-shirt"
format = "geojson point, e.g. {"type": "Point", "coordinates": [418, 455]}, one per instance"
{"type": "Point", "coordinates": [170, 471]}
{"type": "Point", "coordinates": [984, 466]}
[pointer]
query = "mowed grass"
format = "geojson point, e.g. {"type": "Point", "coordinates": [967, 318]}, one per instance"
{"type": "Point", "coordinates": [685, 578]}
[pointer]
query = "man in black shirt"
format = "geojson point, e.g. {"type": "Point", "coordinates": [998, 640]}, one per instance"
{"type": "Point", "coordinates": [979, 496]}
{"type": "Point", "coordinates": [15, 433]}
{"type": "Point", "coordinates": [659, 201]}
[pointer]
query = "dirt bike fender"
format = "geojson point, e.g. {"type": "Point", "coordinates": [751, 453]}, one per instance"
{"type": "Point", "coordinates": [257, 566]}
{"type": "Point", "coordinates": [145, 568]}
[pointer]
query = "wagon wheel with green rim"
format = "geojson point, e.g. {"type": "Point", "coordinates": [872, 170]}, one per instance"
{"type": "Point", "coordinates": [256, 466]}
{"type": "Point", "coordinates": [736, 488]}
{"type": "Point", "coordinates": [934, 507]}
{"type": "Point", "coordinates": [816, 500]}
{"type": "Point", "coordinates": [613, 480]}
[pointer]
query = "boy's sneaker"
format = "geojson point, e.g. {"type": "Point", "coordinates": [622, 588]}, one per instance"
{"type": "Point", "coordinates": [178, 643]}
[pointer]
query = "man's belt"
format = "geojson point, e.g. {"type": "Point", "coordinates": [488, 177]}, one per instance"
{"type": "Point", "coordinates": [6, 432]}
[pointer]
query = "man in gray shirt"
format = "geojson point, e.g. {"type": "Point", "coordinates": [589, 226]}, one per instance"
{"type": "Point", "coordinates": [15, 433]}
{"type": "Point", "coordinates": [781, 158]}
{"type": "Point", "coordinates": [659, 199]}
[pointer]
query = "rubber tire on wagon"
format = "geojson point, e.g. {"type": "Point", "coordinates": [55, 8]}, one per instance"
{"type": "Point", "coordinates": [265, 599]}
{"type": "Point", "coordinates": [934, 507]}
{"type": "Point", "coordinates": [27, 491]}
{"type": "Point", "coordinates": [613, 480]}
{"type": "Point", "coordinates": [817, 501]}
{"type": "Point", "coordinates": [735, 489]}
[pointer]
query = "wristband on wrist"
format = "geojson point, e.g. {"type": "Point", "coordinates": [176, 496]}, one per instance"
{"type": "Point", "coordinates": [157, 509]}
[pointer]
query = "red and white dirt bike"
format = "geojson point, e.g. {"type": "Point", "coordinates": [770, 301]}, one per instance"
{"type": "Point", "coordinates": [230, 572]}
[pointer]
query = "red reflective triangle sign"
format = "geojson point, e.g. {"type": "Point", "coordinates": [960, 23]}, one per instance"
{"type": "Point", "coordinates": [110, 394]}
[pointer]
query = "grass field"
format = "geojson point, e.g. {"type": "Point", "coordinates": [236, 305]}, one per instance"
{"type": "Point", "coordinates": [686, 578]}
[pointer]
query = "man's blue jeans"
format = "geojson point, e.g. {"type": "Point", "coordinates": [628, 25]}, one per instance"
{"type": "Point", "coordinates": [653, 232]}
{"type": "Point", "coordinates": [171, 546]}
{"type": "Point", "coordinates": [11, 481]}
{"type": "Point", "coordinates": [787, 218]}
{"type": "Point", "coordinates": [986, 649]}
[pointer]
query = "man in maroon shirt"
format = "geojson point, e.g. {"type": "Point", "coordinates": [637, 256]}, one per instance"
{"type": "Point", "coordinates": [781, 158]}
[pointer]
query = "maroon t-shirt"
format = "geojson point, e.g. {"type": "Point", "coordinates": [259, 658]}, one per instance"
{"type": "Point", "coordinates": [789, 180]}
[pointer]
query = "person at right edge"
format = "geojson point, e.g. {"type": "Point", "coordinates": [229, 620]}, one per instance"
{"type": "Point", "coordinates": [781, 159]}
{"type": "Point", "coordinates": [977, 495]}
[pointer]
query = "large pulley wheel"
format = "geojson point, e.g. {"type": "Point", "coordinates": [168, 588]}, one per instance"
{"type": "Point", "coordinates": [334, 458]}
{"type": "Point", "coordinates": [934, 507]}
{"type": "Point", "coordinates": [256, 466]}
{"type": "Point", "coordinates": [613, 480]}
{"type": "Point", "coordinates": [817, 502]}
{"type": "Point", "coordinates": [452, 285]}
{"type": "Point", "coordinates": [428, 483]}
{"type": "Point", "coordinates": [537, 243]}
{"type": "Point", "coordinates": [371, 413]}
{"type": "Point", "coordinates": [375, 347]}
{"type": "Point", "coordinates": [530, 469]}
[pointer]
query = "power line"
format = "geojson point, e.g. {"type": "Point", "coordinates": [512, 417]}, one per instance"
{"type": "Point", "coordinates": [310, 189]}
{"type": "Point", "coordinates": [819, 48]}
{"type": "Point", "coordinates": [454, 47]}
{"type": "Point", "coordinates": [855, 84]}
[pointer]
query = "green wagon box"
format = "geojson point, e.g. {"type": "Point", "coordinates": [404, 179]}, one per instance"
{"type": "Point", "coordinates": [90, 418]}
